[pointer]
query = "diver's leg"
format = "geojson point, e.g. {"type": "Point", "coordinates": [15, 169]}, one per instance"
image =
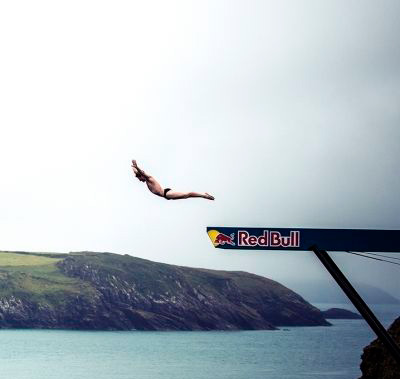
{"type": "Point", "coordinates": [175, 195]}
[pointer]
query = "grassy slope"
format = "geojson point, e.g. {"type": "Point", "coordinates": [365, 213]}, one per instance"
{"type": "Point", "coordinates": [36, 277]}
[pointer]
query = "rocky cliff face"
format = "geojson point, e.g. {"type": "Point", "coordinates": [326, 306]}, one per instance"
{"type": "Point", "coordinates": [110, 291]}
{"type": "Point", "coordinates": [377, 362]}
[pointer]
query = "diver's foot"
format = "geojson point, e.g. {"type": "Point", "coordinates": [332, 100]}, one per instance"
{"type": "Point", "coordinates": [209, 197]}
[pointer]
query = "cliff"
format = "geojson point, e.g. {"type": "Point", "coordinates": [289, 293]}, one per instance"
{"type": "Point", "coordinates": [113, 292]}
{"type": "Point", "coordinates": [377, 362]}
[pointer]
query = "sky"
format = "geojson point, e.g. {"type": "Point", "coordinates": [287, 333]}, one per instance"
{"type": "Point", "coordinates": [286, 111]}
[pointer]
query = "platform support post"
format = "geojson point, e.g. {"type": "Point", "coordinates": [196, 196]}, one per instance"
{"type": "Point", "coordinates": [358, 302]}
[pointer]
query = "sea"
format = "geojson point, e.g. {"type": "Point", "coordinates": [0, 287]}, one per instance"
{"type": "Point", "coordinates": [289, 353]}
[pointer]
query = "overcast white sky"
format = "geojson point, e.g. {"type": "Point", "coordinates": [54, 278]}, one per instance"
{"type": "Point", "coordinates": [286, 111]}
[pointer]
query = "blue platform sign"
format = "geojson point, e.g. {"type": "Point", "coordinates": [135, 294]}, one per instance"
{"type": "Point", "coordinates": [304, 239]}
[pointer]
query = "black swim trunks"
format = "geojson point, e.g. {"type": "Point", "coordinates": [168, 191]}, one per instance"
{"type": "Point", "coordinates": [165, 192]}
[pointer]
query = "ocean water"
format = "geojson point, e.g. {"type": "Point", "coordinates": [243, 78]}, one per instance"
{"type": "Point", "coordinates": [295, 352]}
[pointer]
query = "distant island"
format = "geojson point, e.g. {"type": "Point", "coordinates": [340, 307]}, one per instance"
{"type": "Point", "coordinates": [338, 313]}
{"type": "Point", "coordinates": [328, 291]}
{"type": "Point", "coordinates": [105, 291]}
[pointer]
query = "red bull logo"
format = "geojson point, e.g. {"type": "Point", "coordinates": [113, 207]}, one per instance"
{"type": "Point", "coordinates": [269, 238]}
{"type": "Point", "coordinates": [218, 238]}
{"type": "Point", "coordinates": [222, 239]}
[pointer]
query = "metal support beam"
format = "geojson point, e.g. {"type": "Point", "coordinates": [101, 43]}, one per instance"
{"type": "Point", "coordinates": [358, 302]}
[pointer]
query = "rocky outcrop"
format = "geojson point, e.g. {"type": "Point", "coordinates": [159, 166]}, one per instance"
{"type": "Point", "coordinates": [341, 314]}
{"type": "Point", "coordinates": [377, 362]}
{"type": "Point", "coordinates": [110, 291]}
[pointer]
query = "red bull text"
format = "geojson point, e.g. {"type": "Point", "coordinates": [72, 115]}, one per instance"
{"type": "Point", "coordinates": [269, 239]}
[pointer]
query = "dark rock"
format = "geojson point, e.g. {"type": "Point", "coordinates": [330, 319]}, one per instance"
{"type": "Point", "coordinates": [377, 362]}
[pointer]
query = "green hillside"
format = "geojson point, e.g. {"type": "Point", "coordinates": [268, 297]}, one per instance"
{"type": "Point", "coordinates": [36, 277]}
{"type": "Point", "coordinates": [87, 290]}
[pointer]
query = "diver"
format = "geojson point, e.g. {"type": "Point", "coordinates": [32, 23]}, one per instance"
{"type": "Point", "coordinates": [166, 193]}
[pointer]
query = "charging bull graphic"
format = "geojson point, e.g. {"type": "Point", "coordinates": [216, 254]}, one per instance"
{"type": "Point", "coordinates": [222, 239]}
{"type": "Point", "coordinates": [218, 238]}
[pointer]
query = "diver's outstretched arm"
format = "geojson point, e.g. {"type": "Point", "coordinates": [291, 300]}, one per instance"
{"type": "Point", "coordinates": [139, 173]}
{"type": "Point", "coordinates": [152, 184]}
